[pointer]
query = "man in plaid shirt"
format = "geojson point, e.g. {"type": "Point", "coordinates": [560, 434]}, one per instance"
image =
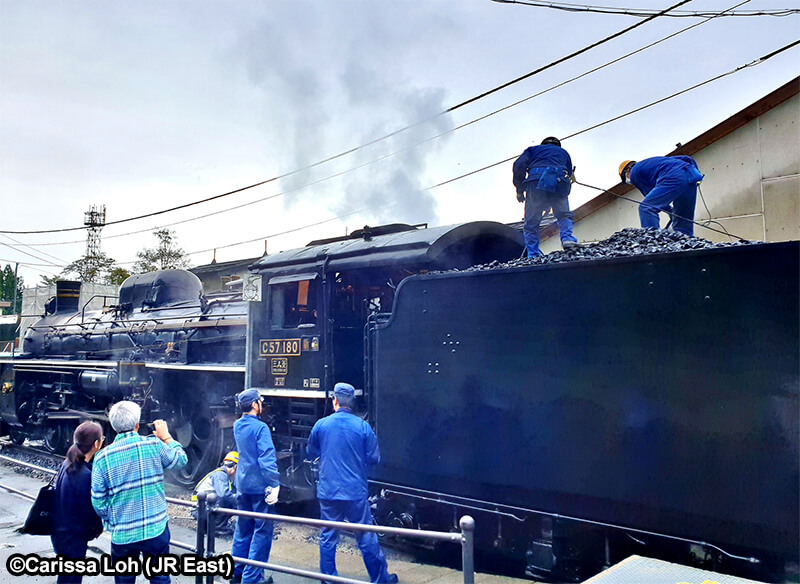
{"type": "Point", "coordinates": [128, 487]}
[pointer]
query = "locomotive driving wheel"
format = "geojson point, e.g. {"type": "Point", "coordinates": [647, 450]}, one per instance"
{"type": "Point", "coordinates": [58, 437]}
{"type": "Point", "coordinates": [200, 436]}
{"type": "Point", "coordinates": [17, 437]}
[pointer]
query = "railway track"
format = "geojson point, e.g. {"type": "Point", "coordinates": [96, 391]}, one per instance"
{"type": "Point", "coordinates": [29, 455]}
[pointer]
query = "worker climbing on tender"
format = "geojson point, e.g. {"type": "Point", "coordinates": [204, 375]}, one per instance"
{"type": "Point", "coordinates": [543, 177]}
{"type": "Point", "coordinates": [665, 181]}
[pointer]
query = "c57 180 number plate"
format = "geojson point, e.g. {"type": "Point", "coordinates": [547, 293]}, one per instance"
{"type": "Point", "coordinates": [280, 347]}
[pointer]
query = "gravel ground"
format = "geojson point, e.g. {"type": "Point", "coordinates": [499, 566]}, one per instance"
{"type": "Point", "coordinates": [44, 460]}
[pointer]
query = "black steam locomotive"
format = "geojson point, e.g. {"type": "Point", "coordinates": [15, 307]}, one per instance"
{"type": "Point", "coordinates": [181, 354]}
{"type": "Point", "coordinates": [581, 411]}
{"type": "Point", "coordinates": [164, 344]}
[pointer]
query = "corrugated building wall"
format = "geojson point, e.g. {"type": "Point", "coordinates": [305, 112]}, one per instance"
{"type": "Point", "coordinates": [751, 163]}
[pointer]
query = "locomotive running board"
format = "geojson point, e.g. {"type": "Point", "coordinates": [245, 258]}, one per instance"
{"type": "Point", "coordinates": [197, 367]}
{"type": "Point", "coordinates": [71, 364]}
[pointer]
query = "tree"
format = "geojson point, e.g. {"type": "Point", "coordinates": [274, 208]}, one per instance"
{"type": "Point", "coordinates": [8, 281]}
{"type": "Point", "coordinates": [117, 276]}
{"type": "Point", "coordinates": [90, 268]}
{"type": "Point", "coordinates": [100, 269]}
{"type": "Point", "coordinates": [166, 256]}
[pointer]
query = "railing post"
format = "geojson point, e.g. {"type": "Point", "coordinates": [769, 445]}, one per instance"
{"type": "Point", "coordinates": [201, 530]}
{"type": "Point", "coordinates": [211, 527]}
{"type": "Point", "coordinates": [467, 525]}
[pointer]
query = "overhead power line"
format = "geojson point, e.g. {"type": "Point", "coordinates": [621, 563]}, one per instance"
{"type": "Point", "coordinates": [352, 150]}
{"type": "Point", "coordinates": [638, 12]}
{"type": "Point", "coordinates": [506, 160]}
{"type": "Point", "coordinates": [568, 57]}
{"type": "Point", "coordinates": [17, 244]}
{"type": "Point", "coordinates": [34, 256]}
{"type": "Point", "coordinates": [619, 117]}
{"type": "Point", "coordinates": [414, 145]}
{"type": "Point", "coordinates": [509, 159]}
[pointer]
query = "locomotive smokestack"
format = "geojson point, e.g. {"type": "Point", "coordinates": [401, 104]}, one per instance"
{"type": "Point", "coordinates": [68, 295]}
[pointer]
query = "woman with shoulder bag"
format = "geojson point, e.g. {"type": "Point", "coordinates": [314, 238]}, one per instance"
{"type": "Point", "coordinates": [75, 522]}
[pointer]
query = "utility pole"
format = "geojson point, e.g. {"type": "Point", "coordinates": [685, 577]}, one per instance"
{"type": "Point", "coordinates": [95, 220]}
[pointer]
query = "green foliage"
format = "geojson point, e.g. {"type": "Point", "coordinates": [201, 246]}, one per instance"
{"type": "Point", "coordinates": [166, 256]}
{"type": "Point", "coordinates": [100, 269]}
{"type": "Point", "coordinates": [117, 276]}
{"type": "Point", "coordinates": [7, 284]}
{"type": "Point", "coordinates": [90, 268]}
{"type": "Point", "coordinates": [48, 280]}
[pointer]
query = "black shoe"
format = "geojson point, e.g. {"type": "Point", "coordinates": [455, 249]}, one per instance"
{"type": "Point", "coordinates": [392, 579]}
{"type": "Point", "coordinates": [569, 244]}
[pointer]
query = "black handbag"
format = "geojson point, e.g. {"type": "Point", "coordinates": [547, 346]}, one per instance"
{"type": "Point", "coordinates": [40, 517]}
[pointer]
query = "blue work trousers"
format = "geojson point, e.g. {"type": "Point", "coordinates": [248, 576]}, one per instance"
{"type": "Point", "coordinates": [252, 538]}
{"type": "Point", "coordinates": [69, 546]}
{"type": "Point", "coordinates": [678, 188]}
{"type": "Point", "coordinates": [155, 546]}
{"type": "Point", "coordinates": [536, 203]}
{"type": "Point", "coordinates": [354, 512]}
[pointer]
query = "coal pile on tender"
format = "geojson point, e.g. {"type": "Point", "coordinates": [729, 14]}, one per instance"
{"type": "Point", "coordinates": [630, 241]}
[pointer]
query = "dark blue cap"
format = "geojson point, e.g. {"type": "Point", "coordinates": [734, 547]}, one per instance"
{"type": "Point", "coordinates": [247, 398]}
{"type": "Point", "coordinates": [344, 389]}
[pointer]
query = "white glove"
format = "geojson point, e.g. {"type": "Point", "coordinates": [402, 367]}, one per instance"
{"type": "Point", "coordinates": [271, 495]}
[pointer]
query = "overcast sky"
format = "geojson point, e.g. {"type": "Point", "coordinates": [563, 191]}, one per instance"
{"type": "Point", "coordinates": [141, 106]}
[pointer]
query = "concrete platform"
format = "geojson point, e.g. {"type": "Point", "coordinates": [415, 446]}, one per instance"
{"type": "Point", "coordinates": [293, 546]}
{"type": "Point", "coordinates": [639, 570]}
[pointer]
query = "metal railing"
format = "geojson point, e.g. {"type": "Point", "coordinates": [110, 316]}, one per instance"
{"type": "Point", "coordinates": [207, 511]}
{"type": "Point", "coordinates": [206, 522]}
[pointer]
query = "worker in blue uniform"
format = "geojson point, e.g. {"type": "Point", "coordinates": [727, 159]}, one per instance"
{"type": "Point", "coordinates": [345, 445]}
{"type": "Point", "coordinates": [543, 179]}
{"type": "Point", "coordinates": [222, 482]}
{"type": "Point", "coordinates": [669, 184]}
{"type": "Point", "coordinates": [257, 487]}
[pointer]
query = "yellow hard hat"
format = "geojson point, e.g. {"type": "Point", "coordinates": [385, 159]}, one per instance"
{"type": "Point", "coordinates": [233, 456]}
{"type": "Point", "coordinates": [622, 168]}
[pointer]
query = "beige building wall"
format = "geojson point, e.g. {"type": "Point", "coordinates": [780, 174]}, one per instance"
{"type": "Point", "coordinates": [751, 185]}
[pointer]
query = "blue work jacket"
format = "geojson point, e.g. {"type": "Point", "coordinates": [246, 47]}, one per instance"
{"type": "Point", "coordinates": [646, 173]}
{"type": "Point", "coordinates": [258, 466]}
{"type": "Point", "coordinates": [532, 163]}
{"type": "Point", "coordinates": [345, 444]}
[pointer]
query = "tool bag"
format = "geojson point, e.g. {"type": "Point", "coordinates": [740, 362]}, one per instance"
{"type": "Point", "coordinates": [40, 517]}
{"type": "Point", "coordinates": [548, 182]}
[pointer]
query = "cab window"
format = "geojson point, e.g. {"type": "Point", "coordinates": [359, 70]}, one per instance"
{"type": "Point", "coordinates": [293, 304]}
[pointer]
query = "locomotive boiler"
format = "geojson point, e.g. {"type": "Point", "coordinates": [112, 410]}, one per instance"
{"type": "Point", "coordinates": [163, 344]}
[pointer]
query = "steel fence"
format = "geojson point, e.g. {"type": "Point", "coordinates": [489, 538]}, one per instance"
{"type": "Point", "coordinates": [205, 545]}
{"type": "Point", "coordinates": [206, 522]}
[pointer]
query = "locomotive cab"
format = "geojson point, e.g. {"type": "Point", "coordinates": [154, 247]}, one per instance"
{"type": "Point", "coordinates": [307, 329]}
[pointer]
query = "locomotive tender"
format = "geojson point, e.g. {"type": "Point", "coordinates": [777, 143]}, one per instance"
{"type": "Point", "coordinates": [587, 410]}
{"type": "Point", "coordinates": [580, 411]}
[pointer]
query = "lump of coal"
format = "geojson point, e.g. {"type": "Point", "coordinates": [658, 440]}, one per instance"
{"type": "Point", "coordinates": [631, 241]}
